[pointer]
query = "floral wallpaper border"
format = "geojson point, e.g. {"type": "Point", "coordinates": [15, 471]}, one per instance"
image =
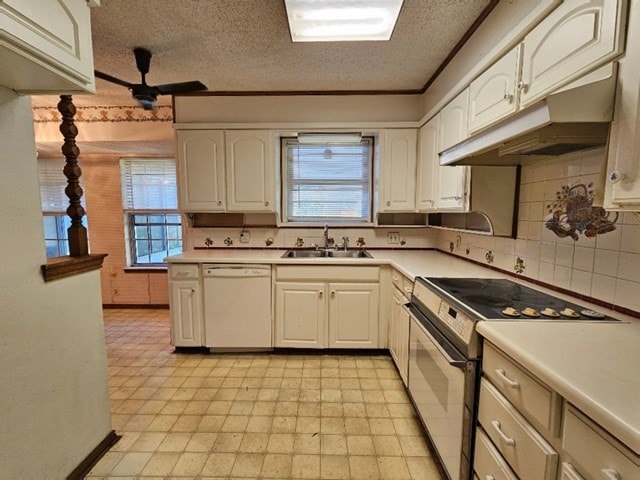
{"type": "Point", "coordinates": [108, 114]}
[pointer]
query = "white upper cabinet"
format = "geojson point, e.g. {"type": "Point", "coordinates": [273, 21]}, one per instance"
{"type": "Point", "coordinates": [622, 188]}
{"type": "Point", "coordinates": [201, 170]}
{"type": "Point", "coordinates": [428, 163]}
{"type": "Point", "coordinates": [250, 171]}
{"type": "Point", "coordinates": [399, 171]}
{"type": "Point", "coordinates": [575, 38]}
{"type": "Point", "coordinates": [453, 188]}
{"type": "Point", "coordinates": [493, 94]}
{"type": "Point", "coordinates": [453, 121]}
{"type": "Point", "coordinates": [46, 49]}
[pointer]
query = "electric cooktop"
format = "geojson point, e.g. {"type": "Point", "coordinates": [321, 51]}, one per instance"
{"type": "Point", "coordinates": [504, 299]}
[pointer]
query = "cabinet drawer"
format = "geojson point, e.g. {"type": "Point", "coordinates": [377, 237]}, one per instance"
{"type": "Point", "coordinates": [328, 273]}
{"type": "Point", "coordinates": [526, 451]}
{"type": "Point", "coordinates": [535, 401]}
{"type": "Point", "coordinates": [183, 271]}
{"type": "Point", "coordinates": [402, 283]}
{"type": "Point", "coordinates": [593, 455]}
{"type": "Point", "coordinates": [407, 287]}
{"type": "Point", "coordinates": [397, 279]}
{"type": "Point", "coordinates": [488, 463]}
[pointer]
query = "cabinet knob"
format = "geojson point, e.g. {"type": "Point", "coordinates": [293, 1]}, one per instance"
{"type": "Point", "coordinates": [193, 290]}
{"type": "Point", "coordinates": [266, 204]}
{"type": "Point", "coordinates": [333, 293]}
{"type": "Point", "coordinates": [507, 97]}
{"type": "Point", "coordinates": [522, 86]}
{"type": "Point", "coordinates": [219, 202]}
{"type": "Point", "coordinates": [388, 203]}
{"type": "Point", "coordinates": [320, 293]}
{"type": "Point", "coordinates": [617, 176]}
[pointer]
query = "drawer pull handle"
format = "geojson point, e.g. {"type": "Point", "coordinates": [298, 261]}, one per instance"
{"type": "Point", "coordinates": [610, 474]}
{"type": "Point", "coordinates": [503, 376]}
{"type": "Point", "coordinates": [497, 427]}
{"type": "Point", "coordinates": [489, 477]}
{"type": "Point", "coordinates": [408, 289]}
{"type": "Point", "coordinates": [395, 279]}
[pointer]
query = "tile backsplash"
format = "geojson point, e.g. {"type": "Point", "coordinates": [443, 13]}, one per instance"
{"type": "Point", "coordinates": [582, 248]}
{"type": "Point", "coordinates": [272, 237]}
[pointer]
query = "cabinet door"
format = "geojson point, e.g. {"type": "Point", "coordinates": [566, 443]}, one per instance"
{"type": "Point", "coordinates": [201, 170]}
{"type": "Point", "coordinates": [250, 171]}
{"type": "Point", "coordinates": [492, 95]}
{"type": "Point", "coordinates": [428, 163]}
{"type": "Point", "coordinates": [353, 315]}
{"type": "Point", "coordinates": [396, 306]}
{"type": "Point", "coordinates": [46, 46]}
{"type": "Point", "coordinates": [453, 121]}
{"type": "Point", "coordinates": [300, 315]}
{"type": "Point", "coordinates": [575, 38]}
{"type": "Point", "coordinates": [453, 188]}
{"type": "Point", "coordinates": [622, 188]}
{"type": "Point", "coordinates": [186, 313]}
{"type": "Point", "coordinates": [403, 344]}
{"type": "Point", "coordinates": [399, 171]}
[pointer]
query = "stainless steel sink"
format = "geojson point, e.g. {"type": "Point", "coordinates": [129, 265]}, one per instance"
{"type": "Point", "coordinates": [326, 254]}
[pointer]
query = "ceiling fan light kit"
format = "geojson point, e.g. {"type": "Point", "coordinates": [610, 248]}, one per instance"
{"type": "Point", "coordinates": [146, 95]}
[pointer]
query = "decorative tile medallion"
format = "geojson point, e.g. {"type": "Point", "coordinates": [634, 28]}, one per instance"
{"type": "Point", "coordinates": [519, 266]}
{"type": "Point", "coordinates": [573, 213]}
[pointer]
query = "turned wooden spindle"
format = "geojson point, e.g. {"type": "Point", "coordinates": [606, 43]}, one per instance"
{"type": "Point", "coordinates": [78, 244]}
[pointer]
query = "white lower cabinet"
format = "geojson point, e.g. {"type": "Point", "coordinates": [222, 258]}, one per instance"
{"type": "Point", "coordinates": [564, 444]}
{"type": "Point", "coordinates": [185, 299]}
{"type": "Point", "coordinates": [399, 333]}
{"type": "Point", "coordinates": [592, 453]}
{"type": "Point", "coordinates": [300, 315]}
{"type": "Point", "coordinates": [312, 311]}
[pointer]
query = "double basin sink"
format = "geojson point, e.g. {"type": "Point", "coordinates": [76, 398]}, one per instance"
{"type": "Point", "coordinates": [326, 254]}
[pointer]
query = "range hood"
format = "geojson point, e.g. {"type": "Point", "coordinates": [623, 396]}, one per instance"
{"type": "Point", "coordinates": [574, 118]}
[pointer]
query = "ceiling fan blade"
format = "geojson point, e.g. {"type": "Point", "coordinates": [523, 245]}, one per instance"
{"type": "Point", "coordinates": [184, 87]}
{"type": "Point", "coordinates": [111, 79]}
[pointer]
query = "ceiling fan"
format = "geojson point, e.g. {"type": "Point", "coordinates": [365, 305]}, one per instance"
{"type": "Point", "coordinates": [145, 94]}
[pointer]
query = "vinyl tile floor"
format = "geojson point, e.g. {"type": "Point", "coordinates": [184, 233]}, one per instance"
{"type": "Point", "coordinates": [253, 416]}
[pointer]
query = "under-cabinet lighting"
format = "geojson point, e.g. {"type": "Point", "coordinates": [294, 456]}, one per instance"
{"type": "Point", "coordinates": [342, 20]}
{"type": "Point", "coordinates": [329, 138]}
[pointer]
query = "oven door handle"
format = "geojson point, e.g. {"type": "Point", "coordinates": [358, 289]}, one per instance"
{"type": "Point", "coordinates": [451, 361]}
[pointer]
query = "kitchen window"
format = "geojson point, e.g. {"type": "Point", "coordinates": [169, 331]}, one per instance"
{"type": "Point", "coordinates": [150, 201]}
{"type": "Point", "coordinates": [54, 206]}
{"type": "Point", "coordinates": [327, 181]}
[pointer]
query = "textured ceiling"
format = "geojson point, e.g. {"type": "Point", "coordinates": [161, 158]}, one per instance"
{"type": "Point", "coordinates": [244, 45]}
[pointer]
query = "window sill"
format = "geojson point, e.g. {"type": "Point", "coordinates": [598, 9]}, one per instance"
{"type": "Point", "coordinates": [61, 267]}
{"type": "Point", "coordinates": [159, 269]}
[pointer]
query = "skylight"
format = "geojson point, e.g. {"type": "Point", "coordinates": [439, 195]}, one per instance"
{"type": "Point", "coordinates": [342, 20]}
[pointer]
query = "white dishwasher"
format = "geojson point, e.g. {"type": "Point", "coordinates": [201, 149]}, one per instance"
{"type": "Point", "coordinates": [237, 306]}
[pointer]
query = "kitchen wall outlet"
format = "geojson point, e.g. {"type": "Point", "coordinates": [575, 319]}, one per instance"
{"type": "Point", "coordinates": [393, 237]}
{"type": "Point", "coordinates": [245, 236]}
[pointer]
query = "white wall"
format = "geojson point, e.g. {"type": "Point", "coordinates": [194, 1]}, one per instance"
{"type": "Point", "coordinates": [54, 400]}
{"type": "Point", "coordinates": [298, 109]}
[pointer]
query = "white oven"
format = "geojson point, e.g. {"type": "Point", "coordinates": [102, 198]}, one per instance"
{"type": "Point", "coordinates": [442, 386]}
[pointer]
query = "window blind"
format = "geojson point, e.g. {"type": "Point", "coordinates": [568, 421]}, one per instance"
{"type": "Point", "coordinates": [328, 181]}
{"type": "Point", "coordinates": [149, 184]}
{"type": "Point", "coordinates": [52, 184]}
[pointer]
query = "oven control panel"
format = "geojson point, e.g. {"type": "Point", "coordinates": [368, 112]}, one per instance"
{"type": "Point", "coordinates": [458, 322]}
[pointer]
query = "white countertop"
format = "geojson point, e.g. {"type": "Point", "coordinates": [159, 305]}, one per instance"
{"type": "Point", "coordinates": [411, 263]}
{"type": "Point", "coordinates": [595, 366]}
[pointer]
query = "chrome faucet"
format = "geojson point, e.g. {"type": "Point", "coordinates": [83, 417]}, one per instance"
{"type": "Point", "coordinates": [325, 232]}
